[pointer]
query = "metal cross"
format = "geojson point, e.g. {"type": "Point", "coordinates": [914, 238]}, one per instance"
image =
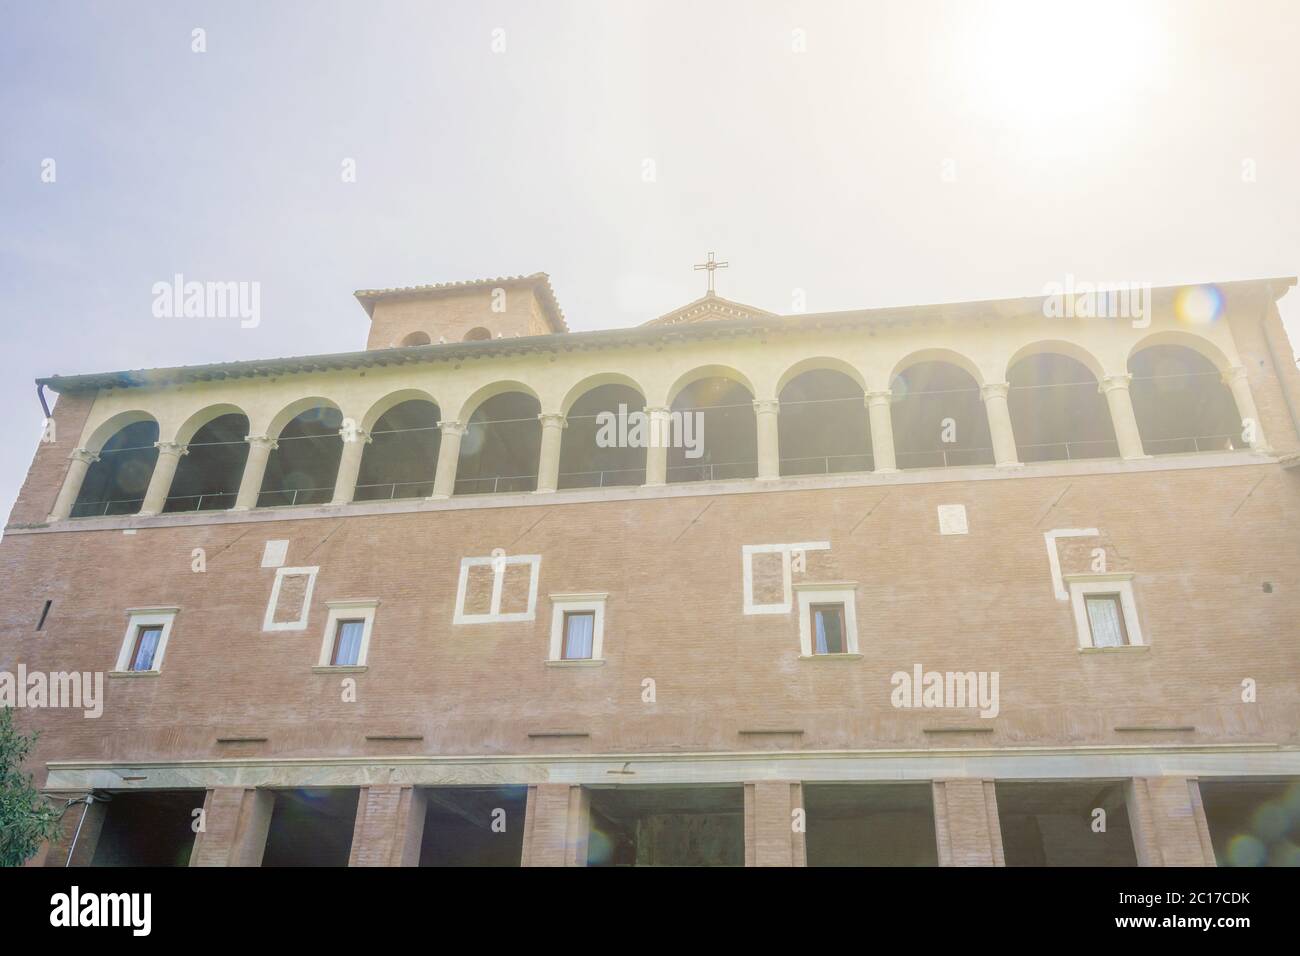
{"type": "Point", "coordinates": [711, 265]}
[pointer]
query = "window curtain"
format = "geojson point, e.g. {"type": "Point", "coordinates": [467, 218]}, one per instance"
{"type": "Point", "coordinates": [581, 630]}
{"type": "Point", "coordinates": [147, 649]}
{"type": "Point", "coordinates": [1104, 619]}
{"type": "Point", "coordinates": [349, 649]}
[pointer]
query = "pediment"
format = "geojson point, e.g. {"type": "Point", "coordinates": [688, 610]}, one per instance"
{"type": "Point", "coordinates": [710, 308]}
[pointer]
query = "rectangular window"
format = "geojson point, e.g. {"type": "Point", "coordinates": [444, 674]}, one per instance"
{"type": "Point", "coordinates": [828, 628]}
{"type": "Point", "coordinates": [147, 638]}
{"type": "Point", "coordinates": [579, 635]}
{"type": "Point", "coordinates": [1106, 620]}
{"type": "Point", "coordinates": [347, 642]}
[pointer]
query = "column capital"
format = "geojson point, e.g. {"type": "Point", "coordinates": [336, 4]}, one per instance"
{"type": "Point", "coordinates": [658, 410]}
{"type": "Point", "coordinates": [172, 448]}
{"type": "Point", "coordinates": [767, 406]}
{"type": "Point", "coordinates": [83, 456]}
{"type": "Point", "coordinates": [994, 390]}
{"type": "Point", "coordinates": [1233, 375]}
{"type": "Point", "coordinates": [452, 427]}
{"type": "Point", "coordinates": [262, 441]}
{"type": "Point", "coordinates": [879, 396]}
{"type": "Point", "coordinates": [1109, 382]}
{"type": "Point", "coordinates": [553, 420]}
{"type": "Point", "coordinates": [350, 435]}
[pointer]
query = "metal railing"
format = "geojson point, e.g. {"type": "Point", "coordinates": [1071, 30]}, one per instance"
{"type": "Point", "coordinates": [114, 506]}
{"type": "Point", "coordinates": [288, 497]}
{"type": "Point", "coordinates": [1068, 450]}
{"type": "Point", "coordinates": [1192, 444]}
{"type": "Point", "coordinates": [722, 471]}
{"type": "Point", "coordinates": [499, 484]}
{"type": "Point", "coordinates": [610, 478]}
{"type": "Point", "coordinates": [211, 501]}
{"type": "Point", "coordinates": [391, 492]}
{"type": "Point", "coordinates": [827, 465]}
{"type": "Point", "coordinates": [944, 458]}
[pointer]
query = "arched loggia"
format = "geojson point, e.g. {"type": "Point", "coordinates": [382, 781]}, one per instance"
{"type": "Point", "coordinates": [714, 432]}
{"type": "Point", "coordinates": [301, 470]}
{"type": "Point", "coordinates": [939, 418]}
{"type": "Point", "coordinates": [207, 476]}
{"type": "Point", "coordinates": [1181, 402]}
{"type": "Point", "coordinates": [1057, 411]}
{"type": "Point", "coordinates": [823, 425]}
{"type": "Point", "coordinates": [116, 483]}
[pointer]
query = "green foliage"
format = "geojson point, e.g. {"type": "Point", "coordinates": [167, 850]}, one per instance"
{"type": "Point", "coordinates": [26, 819]}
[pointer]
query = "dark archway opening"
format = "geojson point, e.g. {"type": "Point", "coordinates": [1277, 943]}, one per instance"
{"type": "Point", "coordinates": [939, 418]}
{"type": "Point", "coordinates": [302, 468]}
{"type": "Point", "coordinates": [823, 425]}
{"type": "Point", "coordinates": [714, 432]}
{"type": "Point", "coordinates": [402, 456]}
{"type": "Point", "coordinates": [501, 448]}
{"type": "Point", "coordinates": [115, 485]}
{"type": "Point", "coordinates": [595, 451]}
{"type": "Point", "coordinates": [1057, 412]}
{"type": "Point", "coordinates": [207, 478]}
{"type": "Point", "coordinates": [1181, 403]}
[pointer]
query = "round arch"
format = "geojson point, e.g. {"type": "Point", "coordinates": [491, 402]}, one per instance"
{"type": "Point", "coordinates": [817, 364]}
{"type": "Point", "coordinates": [1056, 347]}
{"type": "Point", "coordinates": [293, 410]}
{"type": "Point", "coordinates": [937, 355]}
{"type": "Point", "coordinates": [708, 371]}
{"type": "Point", "coordinates": [471, 404]}
{"type": "Point", "coordinates": [1189, 340]}
{"type": "Point", "coordinates": [596, 381]}
{"type": "Point", "coordinates": [391, 401]}
{"type": "Point", "coordinates": [110, 427]}
{"type": "Point", "coordinates": [202, 417]}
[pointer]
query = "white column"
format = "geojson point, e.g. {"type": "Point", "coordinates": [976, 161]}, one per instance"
{"type": "Point", "coordinates": [1004, 439]}
{"type": "Point", "coordinates": [769, 438]}
{"type": "Point", "coordinates": [1122, 419]}
{"type": "Point", "coordinates": [656, 454]}
{"type": "Point", "coordinates": [548, 465]}
{"type": "Point", "coordinates": [79, 463]}
{"type": "Point", "coordinates": [164, 470]}
{"type": "Point", "coordinates": [250, 485]}
{"type": "Point", "coordinates": [355, 441]}
{"type": "Point", "coordinates": [880, 410]}
{"type": "Point", "coordinates": [444, 479]}
{"type": "Point", "coordinates": [1251, 428]}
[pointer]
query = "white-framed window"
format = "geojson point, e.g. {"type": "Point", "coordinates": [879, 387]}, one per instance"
{"type": "Point", "coordinates": [828, 619]}
{"type": "Point", "coordinates": [148, 630]}
{"type": "Point", "coordinates": [577, 628]}
{"type": "Point", "coordinates": [787, 553]}
{"type": "Point", "coordinates": [497, 566]}
{"type": "Point", "coordinates": [293, 588]}
{"type": "Point", "coordinates": [346, 641]}
{"type": "Point", "coordinates": [1105, 613]}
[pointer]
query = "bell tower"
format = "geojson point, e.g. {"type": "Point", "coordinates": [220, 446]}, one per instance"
{"type": "Point", "coordinates": [478, 310]}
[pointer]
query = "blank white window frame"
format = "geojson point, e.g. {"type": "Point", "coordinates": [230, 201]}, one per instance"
{"type": "Point", "coordinates": [136, 618]}
{"type": "Point", "coordinates": [747, 553]}
{"type": "Point", "coordinates": [830, 592]}
{"type": "Point", "coordinates": [1115, 582]}
{"type": "Point", "coordinates": [362, 610]}
{"type": "Point", "coordinates": [269, 623]}
{"type": "Point", "coordinates": [498, 563]}
{"type": "Point", "coordinates": [561, 603]}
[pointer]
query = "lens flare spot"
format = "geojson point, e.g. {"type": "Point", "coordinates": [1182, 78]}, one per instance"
{"type": "Point", "coordinates": [1246, 850]}
{"type": "Point", "coordinates": [1198, 304]}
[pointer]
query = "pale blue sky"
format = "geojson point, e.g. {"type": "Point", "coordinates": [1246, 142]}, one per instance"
{"type": "Point", "coordinates": [1107, 143]}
